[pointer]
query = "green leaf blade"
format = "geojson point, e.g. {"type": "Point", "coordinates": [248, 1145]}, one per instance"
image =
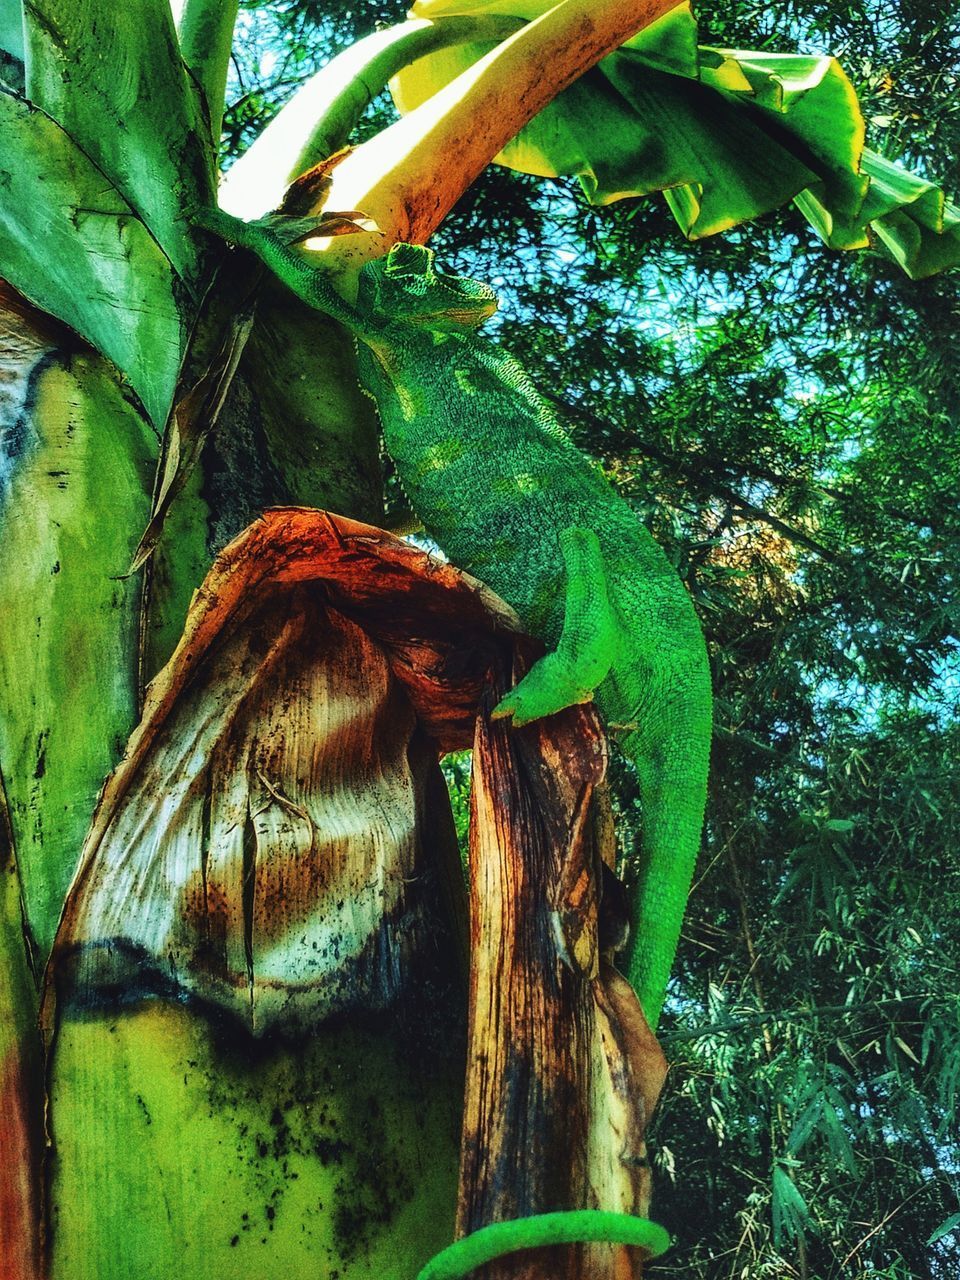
{"type": "Point", "coordinates": [727, 135]}
{"type": "Point", "coordinates": [790, 1214]}
{"type": "Point", "coordinates": [72, 245]}
{"type": "Point", "coordinates": [944, 1229]}
{"type": "Point", "coordinates": [113, 78]}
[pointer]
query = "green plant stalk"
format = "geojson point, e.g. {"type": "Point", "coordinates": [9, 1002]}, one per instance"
{"type": "Point", "coordinates": [182, 1152]}
{"type": "Point", "coordinates": [206, 35]}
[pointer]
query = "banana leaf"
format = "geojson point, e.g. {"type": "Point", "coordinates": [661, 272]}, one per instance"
{"type": "Point", "coordinates": [727, 135]}
{"type": "Point", "coordinates": [112, 77]}
{"type": "Point", "coordinates": [322, 113]}
{"type": "Point", "coordinates": [71, 244]}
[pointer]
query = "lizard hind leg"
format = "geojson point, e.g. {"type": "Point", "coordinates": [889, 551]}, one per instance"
{"type": "Point", "coordinates": [589, 641]}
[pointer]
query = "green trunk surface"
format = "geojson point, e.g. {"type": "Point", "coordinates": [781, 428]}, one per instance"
{"type": "Point", "coordinates": [181, 1151]}
{"type": "Point", "coordinates": [74, 500]}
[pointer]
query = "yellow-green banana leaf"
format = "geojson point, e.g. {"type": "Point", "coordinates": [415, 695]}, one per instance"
{"type": "Point", "coordinates": [727, 135]}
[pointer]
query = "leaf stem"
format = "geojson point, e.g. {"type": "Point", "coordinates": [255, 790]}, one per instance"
{"type": "Point", "coordinates": [206, 36]}
{"type": "Point", "coordinates": [321, 116]}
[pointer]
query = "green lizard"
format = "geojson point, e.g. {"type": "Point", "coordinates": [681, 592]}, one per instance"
{"type": "Point", "coordinates": [573, 1227]}
{"type": "Point", "coordinates": [506, 495]}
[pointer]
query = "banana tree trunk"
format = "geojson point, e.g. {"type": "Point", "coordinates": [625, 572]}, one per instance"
{"type": "Point", "coordinates": [179, 1142]}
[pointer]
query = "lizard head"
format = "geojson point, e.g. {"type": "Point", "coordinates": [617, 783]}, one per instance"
{"type": "Point", "coordinates": [405, 285]}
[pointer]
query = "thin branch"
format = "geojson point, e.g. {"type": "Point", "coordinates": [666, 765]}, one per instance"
{"type": "Point", "coordinates": [708, 485]}
{"type": "Point", "coordinates": [881, 1224]}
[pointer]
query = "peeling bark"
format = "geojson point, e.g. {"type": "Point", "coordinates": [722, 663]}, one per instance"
{"type": "Point", "coordinates": [257, 848]}
{"type": "Point", "coordinates": [562, 1070]}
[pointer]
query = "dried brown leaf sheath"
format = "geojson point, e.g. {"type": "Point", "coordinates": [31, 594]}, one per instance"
{"type": "Point", "coordinates": [259, 844]}
{"type": "Point", "coordinates": [562, 1070]}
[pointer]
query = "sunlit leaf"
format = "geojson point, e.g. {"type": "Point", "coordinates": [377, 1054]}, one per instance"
{"type": "Point", "coordinates": [726, 134]}
{"type": "Point", "coordinates": [321, 114]}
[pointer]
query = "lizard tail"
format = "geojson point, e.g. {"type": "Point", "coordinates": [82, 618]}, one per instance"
{"type": "Point", "coordinates": [673, 787]}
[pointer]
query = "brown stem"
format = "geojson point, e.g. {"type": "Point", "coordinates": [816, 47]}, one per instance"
{"type": "Point", "coordinates": [410, 175]}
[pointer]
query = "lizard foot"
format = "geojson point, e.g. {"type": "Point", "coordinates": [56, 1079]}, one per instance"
{"type": "Point", "coordinates": [588, 643]}
{"type": "Point", "coordinates": [550, 685]}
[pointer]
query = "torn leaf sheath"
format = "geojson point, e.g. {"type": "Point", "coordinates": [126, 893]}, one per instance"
{"type": "Point", "coordinates": [258, 848]}
{"type": "Point", "coordinates": [267, 842]}
{"type": "Point", "coordinates": [558, 1046]}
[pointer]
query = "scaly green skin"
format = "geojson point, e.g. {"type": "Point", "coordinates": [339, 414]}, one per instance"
{"type": "Point", "coordinates": [576, 1227]}
{"type": "Point", "coordinates": [498, 485]}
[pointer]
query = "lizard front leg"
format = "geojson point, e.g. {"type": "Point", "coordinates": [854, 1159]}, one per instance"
{"type": "Point", "coordinates": [588, 645]}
